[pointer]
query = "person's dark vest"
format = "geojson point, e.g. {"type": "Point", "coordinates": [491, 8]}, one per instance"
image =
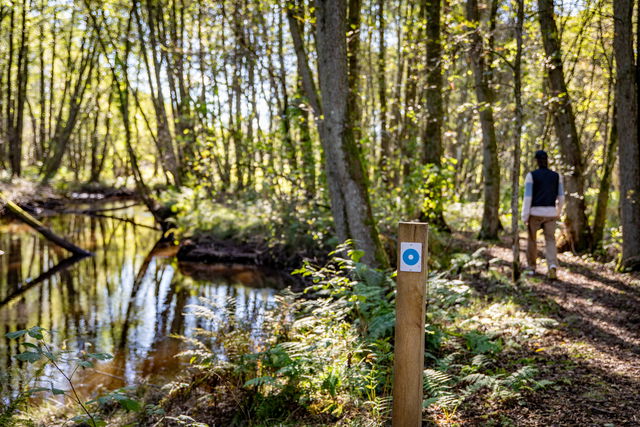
{"type": "Point", "coordinates": [545, 187]}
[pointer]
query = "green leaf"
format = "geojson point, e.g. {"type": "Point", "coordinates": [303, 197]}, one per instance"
{"type": "Point", "coordinates": [355, 255]}
{"type": "Point", "coordinates": [37, 390]}
{"type": "Point", "coordinates": [100, 356]}
{"type": "Point", "coordinates": [36, 332]}
{"type": "Point", "coordinates": [57, 391]}
{"type": "Point", "coordinates": [50, 356]}
{"type": "Point", "coordinates": [83, 419]}
{"type": "Point", "coordinates": [85, 363]}
{"type": "Point", "coordinates": [130, 404]}
{"type": "Point", "coordinates": [15, 334]}
{"type": "Point", "coordinates": [29, 356]}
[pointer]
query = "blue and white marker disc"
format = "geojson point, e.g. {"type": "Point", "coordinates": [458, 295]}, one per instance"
{"type": "Point", "coordinates": [410, 257]}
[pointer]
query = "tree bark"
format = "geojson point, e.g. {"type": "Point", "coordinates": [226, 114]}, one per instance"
{"type": "Point", "coordinates": [385, 147]}
{"type": "Point", "coordinates": [65, 127]}
{"type": "Point", "coordinates": [576, 222]}
{"type": "Point", "coordinates": [517, 136]}
{"type": "Point", "coordinates": [345, 174]}
{"type": "Point", "coordinates": [432, 133]}
{"type": "Point", "coordinates": [600, 217]}
{"type": "Point", "coordinates": [17, 109]}
{"type": "Point", "coordinates": [353, 44]}
{"type": "Point", "coordinates": [628, 144]}
{"type": "Point", "coordinates": [485, 97]}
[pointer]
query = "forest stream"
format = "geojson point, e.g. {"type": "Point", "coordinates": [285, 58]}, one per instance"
{"type": "Point", "coordinates": [127, 300]}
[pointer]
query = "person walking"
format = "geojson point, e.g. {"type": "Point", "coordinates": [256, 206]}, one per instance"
{"type": "Point", "coordinates": [542, 207]}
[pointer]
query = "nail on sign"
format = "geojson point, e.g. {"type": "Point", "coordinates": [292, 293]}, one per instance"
{"type": "Point", "coordinates": [411, 257]}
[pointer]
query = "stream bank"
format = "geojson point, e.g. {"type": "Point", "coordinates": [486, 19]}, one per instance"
{"type": "Point", "coordinates": [127, 300]}
{"type": "Point", "coordinates": [212, 246]}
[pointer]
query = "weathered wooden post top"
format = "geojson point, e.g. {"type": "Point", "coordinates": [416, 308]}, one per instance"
{"type": "Point", "coordinates": [408, 362]}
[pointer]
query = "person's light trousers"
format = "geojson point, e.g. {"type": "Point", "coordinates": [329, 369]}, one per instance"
{"type": "Point", "coordinates": [548, 225]}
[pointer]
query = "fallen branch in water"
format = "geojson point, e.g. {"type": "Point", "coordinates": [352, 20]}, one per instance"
{"type": "Point", "coordinates": [117, 218]}
{"type": "Point", "coordinates": [91, 211]}
{"type": "Point", "coordinates": [21, 289]}
{"type": "Point", "coordinates": [40, 228]}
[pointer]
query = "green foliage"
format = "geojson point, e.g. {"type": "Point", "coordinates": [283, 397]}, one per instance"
{"type": "Point", "coordinates": [434, 186]}
{"type": "Point", "coordinates": [66, 364]}
{"type": "Point", "coordinates": [331, 357]}
{"type": "Point", "coordinates": [294, 227]}
{"type": "Point", "coordinates": [330, 351]}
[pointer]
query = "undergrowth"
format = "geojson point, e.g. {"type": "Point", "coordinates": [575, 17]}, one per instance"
{"type": "Point", "coordinates": [290, 224]}
{"type": "Point", "coordinates": [328, 356]}
{"type": "Point", "coordinates": [325, 357]}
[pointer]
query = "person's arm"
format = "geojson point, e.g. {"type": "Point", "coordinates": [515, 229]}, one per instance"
{"type": "Point", "coordinates": [528, 193]}
{"type": "Point", "coordinates": [560, 198]}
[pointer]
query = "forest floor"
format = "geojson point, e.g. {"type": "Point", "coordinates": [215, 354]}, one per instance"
{"type": "Point", "coordinates": [592, 355]}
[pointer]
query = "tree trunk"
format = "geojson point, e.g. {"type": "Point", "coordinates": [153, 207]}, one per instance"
{"type": "Point", "coordinates": [432, 133]}
{"type": "Point", "coordinates": [17, 117]}
{"type": "Point", "coordinates": [345, 174]}
{"type": "Point", "coordinates": [308, 157]}
{"type": "Point", "coordinates": [289, 147]}
{"type": "Point", "coordinates": [353, 44]}
{"type": "Point", "coordinates": [576, 222]}
{"type": "Point", "coordinates": [600, 217]}
{"type": "Point", "coordinates": [628, 144]}
{"type": "Point", "coordinates": [65, 127]}
{"type": "Point", "coordinates": [385, 147]}
{"type": "Point", "coordinates": [485, 97]}
{"type": "Point", "coordinates": [164, 140]}
{"type": "Point", "coordinates": [517, 136]}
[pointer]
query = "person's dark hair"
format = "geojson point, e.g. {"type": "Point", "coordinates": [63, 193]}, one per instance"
{"type": "Point", "coordinates": [542, 158]}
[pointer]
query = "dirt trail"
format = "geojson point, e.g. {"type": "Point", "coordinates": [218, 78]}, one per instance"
{"type": "Point", "coordinates": [593, 356]}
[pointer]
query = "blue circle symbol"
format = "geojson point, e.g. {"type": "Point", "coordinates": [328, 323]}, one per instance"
{"type": "Point", "coordinates": [411, 257]}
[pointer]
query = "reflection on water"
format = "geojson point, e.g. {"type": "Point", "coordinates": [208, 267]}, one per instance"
{"type": "Point", "coordinates": [126, 300]}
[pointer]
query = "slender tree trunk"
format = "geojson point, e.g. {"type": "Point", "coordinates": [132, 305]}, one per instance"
{"type": "Point", "coordinates": [17, 117]}
{"type": "Point", "coordinates": [432, 131]}
{"type": "Point", "coordinates": [308, 87]}
{"type": "Point", "coordinates": [353, 45]}
{"type": "Point", "coordinates": [628, 145]}
{"type": "Point", "coordinates": [308, 83]}
{"type": "Point", "coordinates": [600, 217]}
{"type": "Point", "coordinates": [164, 140]}
{"type": "Point", "coordinates": [289, 147]}
{"type": "Point", "coordinates": [485, 97]}
{"type": "Point", "coordinates": [308, 155]}
{"type": "Point", "coordinates": [66, 126]}
{"type": "Point", "coordinates": [517, 136]}
{"type": "Point", "coordinates": [345, 172]}
{"type": "Point", "coordinates": [39, 148]}
{"type": "Point", "coordinates": [576, 221]}
{"type": "Point", "coordinates": [385, 147]}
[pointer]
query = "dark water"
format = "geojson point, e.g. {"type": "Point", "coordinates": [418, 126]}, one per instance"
{"type": "Point", "coordinates": [126, 300]}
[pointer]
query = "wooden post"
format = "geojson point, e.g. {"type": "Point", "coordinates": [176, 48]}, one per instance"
{"type": "Point", "coordinates": [408, 363]}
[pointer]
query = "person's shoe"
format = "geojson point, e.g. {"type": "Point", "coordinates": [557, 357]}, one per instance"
{"type": "Point", "coordinates": [552, 273]}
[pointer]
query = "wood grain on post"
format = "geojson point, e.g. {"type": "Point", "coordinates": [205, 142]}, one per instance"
{"type": "Point", "coordinates": [408, 363]}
